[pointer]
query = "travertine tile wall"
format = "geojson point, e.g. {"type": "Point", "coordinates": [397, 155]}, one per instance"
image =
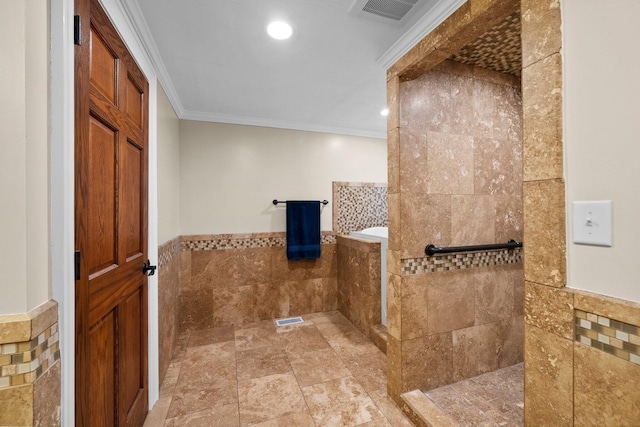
{"type": "Point", "coordinates": [359, 292]}
{"type": "Point", "coordinates": [169, 268]}
{"type": "Point", "coordinates": [30, 367]}
{"type": "Point", "coordinates": [235, 279]}
{"type": "Point", "coordinates": [459, 183]}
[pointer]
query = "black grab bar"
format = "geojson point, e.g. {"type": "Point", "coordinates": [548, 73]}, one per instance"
{"type": "Point", "coordinates": [432, 249]}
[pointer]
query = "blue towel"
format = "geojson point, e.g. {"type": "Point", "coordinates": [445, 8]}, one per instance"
{"type": "Point", "coordinates": [303, 229]}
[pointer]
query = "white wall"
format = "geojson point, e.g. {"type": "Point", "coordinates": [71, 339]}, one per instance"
{"type": "Point", "coordinates": [229, 174]}
{"type": "Point", "coordinates": [602, 138]}
{"type": "Point", "coordinates": [24, 168]}
{"type": "Point", "coordinates": [168, 169]}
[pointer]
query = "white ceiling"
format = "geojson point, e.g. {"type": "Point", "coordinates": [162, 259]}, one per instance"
{"type": "Point", "coordinates": [216, 62]}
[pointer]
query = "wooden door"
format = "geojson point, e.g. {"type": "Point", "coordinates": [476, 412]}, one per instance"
{"type": "Point", "coordinates": [111, 162]}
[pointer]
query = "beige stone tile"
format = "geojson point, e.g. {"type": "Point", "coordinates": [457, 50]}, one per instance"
{"type": "Point", "coordinates": [211, 336]}
{"type": "Point", "coordinates": [329, 293]}
{"type": "Point", "coordinates": [271, 300]}
{"type": "Point", "coordinates": [393, 103]}
{"type": "Point", "coordinates": [541, 34]}
{"type": "Point", "coordinates": [413, 160]}
{"type": "Point", "coordinates": [351, 344]}
{"type": "Point", "coordinates": [196, 309]}
{"type": "Point", "coordinates": [425, 103]}
{"type": "Point", "coordinates": [473, 220]}
{"type": "Point", "coordinates": [450, 301]}
{"type": "Point", "coordinates": [450, 164]}
{"type": "Point", "coordinates": [497, 168]}
{"type": "Point", "coordinates": [16, 406]}
{"type": "Point", "coordinates": [340, 402]}
{"type": "Point", "coordinates": [427, 362]}
{"type": "Point", "coordinates": [414, 303]}
{"type": "Point", "coordinates": [207, 379]}
{"type": "Point", "coordinates": [370, 370]}
{"type": "Point", "coordinates": [170, 379]}
{"type": "Point", "coordinates": [267, 398]}
{"type": "Point", "coordinates": [393, 159]}
{"type": "Point", "coordinates": [261, 362]}
{"type": "Point", "coordinates": [473, 109]}
{"type": "Point", "coordinates": [394, 368]}
{"type": "Point", "coordinates": [263, 335]}
{"type": "Point", "coordinates": [46, 397]}
{"type": "Point", "coordinates": [613, 308]}
{"type": "Point", "coordinates": [317, 366]}
{"type": "Point", "coordinates": [424, 412]}
{"type": "Point", "coordinates": [284, 270]}
{"type": "Point", "coordinates": [475, 350]}
{"type": "Point", "coordinates": [509, 218]}
{"type": "Point", "coordinates": [544, 232]}
{"type": "Point", "coordinates": [302, 338]}
{"type": "Point", "coordinates": [185, 270]}
{"type": "Point", "coordinates": [158, 414]}
{"type": "Point", "coordinates": [233, 305]}
{"type": "Point", "coordinates": [605, 388]}
{"type": "Point", "coordinates": [394, 305]}
{"type": "Point", "coordinates": [230, 267]}
{"type": "Point", "coordinates": [493, 290]}
{"type": "Point", "coordinates": [15, 328]}
{"type": "Point", "coordinates": [550, 309]}
{"type": "Point", "coordinates": [542, 119]}
{"type": "Point", "coordinates": [305, 296]}
{"type": "Point", "coordinates": [507, 123]}
{"type": "Point", "coordinates": [223, 416]}
{"type": "Point", "coordinates": [548, 366]}
{"type": "Point", "coordinates": [510, 341]}
{"type": "Point", "coordinates": [297, 419]}
{"type": "Point", "coordinates": [389, 409]}
{"type": "Point", "coordinates": [394, 222]}
{"type": "Point", "coordinates": [426, 219]}
{"type": "Point", "coordinates": [43, 317]}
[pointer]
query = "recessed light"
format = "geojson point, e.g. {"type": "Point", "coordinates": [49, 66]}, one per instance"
{"type": "Point", "coordinates": [385, 112]}
{"type": "Point", "coordinates": [279, 30]}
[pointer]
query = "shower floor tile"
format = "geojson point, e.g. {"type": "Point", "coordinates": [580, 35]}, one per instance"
{"type": "Point", "coordinates": [492, 399]}
{"type": "Point", "coordinates": [322, 372]}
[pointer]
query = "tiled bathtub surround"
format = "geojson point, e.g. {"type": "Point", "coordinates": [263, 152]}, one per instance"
{"type": "Point", "coordinates": [359, 205]}
{"type": "Point", "coordinates": [235, 279]}
{"type": "Point", "coordinates": [30, 367]}
{"type": "Point", "coordinates": [431, 264]}
{"type": "Point", "coordinates": [611, 336]}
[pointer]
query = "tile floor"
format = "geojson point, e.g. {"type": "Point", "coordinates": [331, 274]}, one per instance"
{"type": "Point", "coordinates": [323, 372]}
{"type": "Point", "coordinates": [492, 399]}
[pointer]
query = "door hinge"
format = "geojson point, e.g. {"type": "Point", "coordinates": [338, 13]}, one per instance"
{"type": "Point", "coordinates": [77, 34]}
{"type": "Point", "coordinates": [76, 264]}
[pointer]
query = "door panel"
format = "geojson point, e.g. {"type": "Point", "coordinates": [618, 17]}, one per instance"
{"type": "Point", "coordinates": [111, 226]}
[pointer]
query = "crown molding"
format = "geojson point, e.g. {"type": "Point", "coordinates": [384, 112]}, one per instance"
{"type": "Point", "coordinates": [280, 124]}
{"type": "Point", "coordinates": [140, 27]}
{"type": "Point", "coordinates": [434, 17]}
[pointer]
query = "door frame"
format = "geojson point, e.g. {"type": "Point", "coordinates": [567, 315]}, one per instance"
{"type": "Point", "coordinates": [62, 190]}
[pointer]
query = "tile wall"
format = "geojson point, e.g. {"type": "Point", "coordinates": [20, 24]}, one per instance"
{"type": "Point", "coordinates": [459, 182]}
{"type": "Point", "coordinates": [235, 279]}
{"type": "Point", "coordinates": [359, 292]}
{"type": "Point", "coordinates": [30, 367]}
{"type": "Point", "coordinates": [169, 268]}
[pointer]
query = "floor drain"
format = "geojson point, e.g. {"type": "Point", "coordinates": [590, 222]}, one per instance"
{"type": "Point", "coordinates": [289, 321]}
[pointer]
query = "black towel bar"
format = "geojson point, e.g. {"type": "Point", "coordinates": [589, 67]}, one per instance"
{"type": "Point", "coordinates": [432, 249]}
{"type": "Point", "coordinates": [276, 201]}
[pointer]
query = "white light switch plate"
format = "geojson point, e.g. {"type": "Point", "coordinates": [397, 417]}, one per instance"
{"type": "Point", "coordinates": [592, 223]}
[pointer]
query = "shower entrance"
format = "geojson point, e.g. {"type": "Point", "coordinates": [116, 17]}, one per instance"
{"type": "Point", "coordinates": [455, 179]}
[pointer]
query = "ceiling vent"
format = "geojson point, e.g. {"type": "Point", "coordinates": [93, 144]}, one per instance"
{"type": "Point", "coordinates": [390, 11]}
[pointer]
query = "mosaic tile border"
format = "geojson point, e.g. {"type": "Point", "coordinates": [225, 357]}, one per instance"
{"type": "Point", "coordinates": [167, 251]}
{"type": "Point", "coordinates": [25, 362]}
{"type": "Point", "coordinates": [436, 263]}
{"type": "Point", "coordinates": [359, 205]}
{"type": "Point", "coordinates": [617, 338]}
{"type": "Point", "coordinates": [224, 241]}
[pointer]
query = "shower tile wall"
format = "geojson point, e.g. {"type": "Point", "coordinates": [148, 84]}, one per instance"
{"type": "Point", "coordinates": [235, 279]}
{"type": "Point", "coordinates": [359, 205]}
{"type": "Point", "coordinates": [459, 182]}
